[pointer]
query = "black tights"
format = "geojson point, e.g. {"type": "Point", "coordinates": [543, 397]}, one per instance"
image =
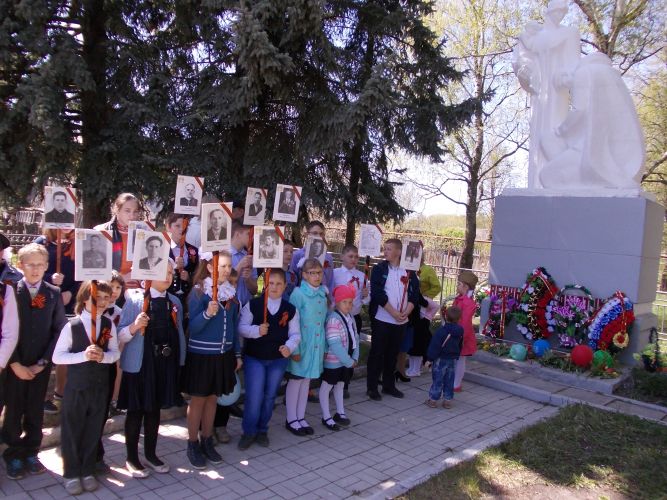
{"type": "Point", "coordinates": [133, 428]}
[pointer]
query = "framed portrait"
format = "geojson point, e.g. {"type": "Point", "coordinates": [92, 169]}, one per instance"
{"type": "Point", "coordinates": [286, 204]}
{"type": "Point", "coordinates": [411, 256]}
{"type": "Point", "coordinates": [370, 240]}
{"type": "Point", "coordinates": [92, 255]}
{"type": "Point", "coordinates": [189, 191]}
{"type": "Point", "coordinates": [151, 255]}
{"type": "Point", "coordinates": [316, 248]}
{"type": "Point", "coordinates": [216, 226]}
{"type": "Point", "coordinates": [268, 247]}
{"type": "Point", "coordinates": [131, 233]}
{"type": "Point", "coordinates": [255, 207]}
{"type": "Point", "coordinates": [59, 207]}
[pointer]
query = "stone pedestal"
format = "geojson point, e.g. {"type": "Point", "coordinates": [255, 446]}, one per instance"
{"type": "Point", "coordinates": [601, 242]}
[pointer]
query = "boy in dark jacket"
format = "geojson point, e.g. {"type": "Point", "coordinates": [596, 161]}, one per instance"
{"type": "Point", "coordinates": [41, 318]}
{"type": "Point", "coordinates": [443, 351]}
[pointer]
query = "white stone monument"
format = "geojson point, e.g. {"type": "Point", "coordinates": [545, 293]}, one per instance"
{"type": "Point", "coordinates": [584, 216]}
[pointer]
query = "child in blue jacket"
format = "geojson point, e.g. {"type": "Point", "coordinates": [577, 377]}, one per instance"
{"type": "Point", "coordinates": [443, 351]}
{"type": "Point", "coordinates": [213, 356]}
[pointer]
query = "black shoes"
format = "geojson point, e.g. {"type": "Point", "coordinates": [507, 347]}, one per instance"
{"type": "Point", "coordinates": [341, 419]}
{"type": "Point", "coordinates": [309, 430]}
{"type": "Point", "coordinates": [245, 442]}
{"type": "Point", "coordinates": [330, 424]}
{"type": "Point", "coordinates": [393, 392]}
{"type": "Point", "coordinates": [399, 376]}
{"type": "Point", "coordinates": [374, 395]}
{"type": "Point", "coordinates": [297, 432]}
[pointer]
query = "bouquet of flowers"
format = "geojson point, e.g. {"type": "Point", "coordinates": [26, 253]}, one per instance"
{"type": "Point", "coordinates": [568, 314]}
{"type": "Point", "coordinates": [536, 294]}
{"type": "Point", "coordinates": [480, 294]}
{"type": "Point", "coordinates": [609, 328]}
{"type": "Point", "coordinates": [500, 313]}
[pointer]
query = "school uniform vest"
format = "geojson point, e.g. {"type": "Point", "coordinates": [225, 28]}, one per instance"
{"type": "Point", "coordinates": [89, 374]}
{"type": "Point", "coordinates": [266, 347]}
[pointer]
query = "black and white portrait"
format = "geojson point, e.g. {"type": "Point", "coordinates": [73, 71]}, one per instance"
{"type": "Point", "coordinates": [411, 256]}
{"type": "Point", "coordinates": [59, 208]}
{"type": "Point", "coordinates": [316, 248]}
{"type": "Point", "coordinates": [151, 253]}
{"type": "Point", "coordinates": [92, 255]}
{"type": "Point", "coordinates": [268, 247]}
{"type": "Point", "coordinates": [188, 195]}
{"type": "Point", "coordinates": [286, 206]}
{"type": "Point", "coordinates": [370, 240]}
{"type": "Point", "coordinates": [255, 207]}
{"type": "Point", "coordinates": [216, 226]}
{"type": "Point", "coordinates": [131, 234]}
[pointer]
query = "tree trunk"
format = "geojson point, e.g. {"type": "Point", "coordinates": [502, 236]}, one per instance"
{"type": "Point", "coordinates": [468, 257]}
{"type": "Point", "coordinates": [353, 198]}
{"type": "Point", "coordinates": [94, 112]}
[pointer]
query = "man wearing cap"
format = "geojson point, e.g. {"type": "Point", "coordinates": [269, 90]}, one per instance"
{"type": "Point", "coordinates": [465, 290]}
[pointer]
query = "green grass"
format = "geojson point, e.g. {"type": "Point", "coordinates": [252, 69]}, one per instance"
{"type": "Point", "coordinates": [580, 448]}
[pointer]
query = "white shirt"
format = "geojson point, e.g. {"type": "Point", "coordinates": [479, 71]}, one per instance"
{"type": "Point", "coordinates": [343, 276]}
{"type": "Point", "coordinates": [394, 290]}
{"type": "Point", "coordinates": [9, 332]}
{"type": "Point", "coordinates": [62, 354]}
{"type": "Point", "coordinates": [250, 331]}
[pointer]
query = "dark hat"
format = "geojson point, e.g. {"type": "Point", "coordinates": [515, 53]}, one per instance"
{"type": "Point", "coordinates": [4, 242]}
{"type": "Point", "coordinates": [469, 278]}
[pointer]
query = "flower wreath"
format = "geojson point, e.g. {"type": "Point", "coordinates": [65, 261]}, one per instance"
{"type": "Point", "coordinates": [568, 314]}
{"type": "Point", "coordinates": [536, 294]}
{"type": "Point", "coordinates": [501, 308]}
{"type": "Point", "coordinates": [609, 328]}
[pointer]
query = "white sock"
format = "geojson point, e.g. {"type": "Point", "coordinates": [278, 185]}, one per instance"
{"type": "Point", "coordinates": [325, 389]}
{"type": "Point", "coordinates": [291, 400]}
{"type": "Point", "coordinates": [415, 365]}
{"type": "Point", "coordinates": [303, 400]}
{"type": "Point", "coordinates": [459, 371]}
{"type": "Point", "coordinates": [338, 397]}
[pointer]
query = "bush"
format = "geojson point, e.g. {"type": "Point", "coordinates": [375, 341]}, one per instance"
{"type": "Point", "coordinates": [651, 384]}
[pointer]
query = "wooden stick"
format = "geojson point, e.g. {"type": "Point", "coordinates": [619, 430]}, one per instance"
{"type": "Point", "coordinates": [147, 301]}
{"type": "Point", "coordinates": [59, 249]}
{"type": "Point", "coordinates": [216, 258]}
{"type": "Point", "coordinates": [251, 240]}
{"type": "Point", "coordinates": [267, 275]}
{"type": "Point", "coordinates": [93, 312]}
{"type": "Point", "coordinates": [185, 229]}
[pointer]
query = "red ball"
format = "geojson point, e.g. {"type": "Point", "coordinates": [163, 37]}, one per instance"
{"type": "Point", "coordinates": [582, 356]}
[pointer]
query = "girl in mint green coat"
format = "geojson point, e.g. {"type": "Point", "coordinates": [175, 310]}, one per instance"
{"type": "Point", "coordinates": [307, 360]}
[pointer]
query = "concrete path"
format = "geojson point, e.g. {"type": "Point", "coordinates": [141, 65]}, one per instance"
{"type": "Point", "coordinates": [390, 446]}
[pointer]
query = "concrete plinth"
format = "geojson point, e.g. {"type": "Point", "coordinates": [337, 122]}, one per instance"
{"type": "Point", "coordinates": [603, 243]}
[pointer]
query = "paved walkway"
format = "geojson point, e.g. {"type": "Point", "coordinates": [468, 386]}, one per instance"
{"type": "Point", "coordinates": [390, 446]}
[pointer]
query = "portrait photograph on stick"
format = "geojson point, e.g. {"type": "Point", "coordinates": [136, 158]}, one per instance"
{"type": "Point", "coordinates": [411, 256]}
{"type": "Point", "coordinates": [370, 240]}
{"type": "Point", "coordinates": [92, 255]}
{"type": "Point", "coordinates": [59, 207]}
{"type": "Point", "coordinates": [287, 202]}
{"type": "Point", "coordinates": [189, 191]}
{"type": "Point", "coordinates": [216, 224]}
{"type": "Point", "coordinates": [316, 248]}
{"type": "Point", "coordinates": [268, 247]}
{"type": "Point", "coordinates": [255, 207]}
{"type": "Point", "coordinates": [131, 233]}
{"type": "Point", "coordinates": [151, 254]}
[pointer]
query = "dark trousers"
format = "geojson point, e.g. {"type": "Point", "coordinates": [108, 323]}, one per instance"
{"type": "Point", "coordinates": [113, 372]}
{"type": "Point", "coordinates": [221, 416]}
{"type": "Point", "coordinates": [24, 412]}
{"type": "Point", "coordinates": [133, 420]}
{"type": "Point", "coordinates": [82, 416]}
{"type": "Point", "coordinates": [357, 320]}
{"type": "Point", "coordinates": [385, 342]}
